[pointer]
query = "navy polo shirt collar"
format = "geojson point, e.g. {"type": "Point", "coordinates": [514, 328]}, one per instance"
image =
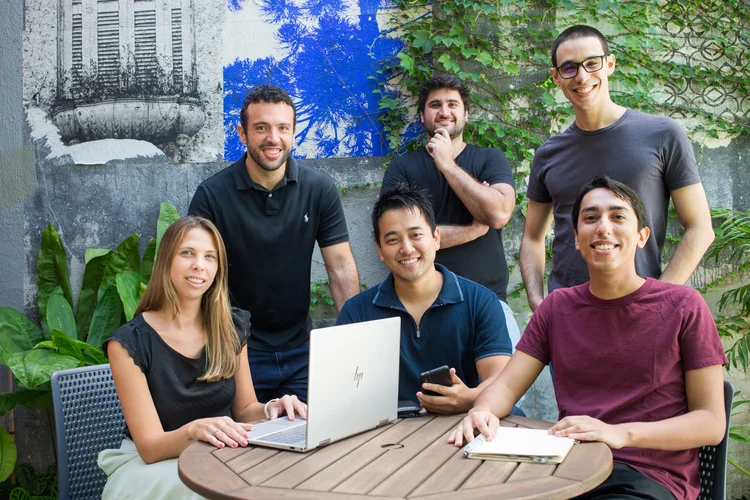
{"type": "Point", "coordinates": [450, 292]}
{"type": "Point", "coordinates": [243, 181]}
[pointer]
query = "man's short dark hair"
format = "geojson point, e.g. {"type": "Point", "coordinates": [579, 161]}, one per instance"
{"type": "Point", "coordinates": [578, 31]}
{"type": "Point", "coordinates": [443, 81]}
{"type": "Point", "coordinates": [402, 195]}
{"type": "Point", "coordinates": [618, 189]}
{"type": "Point", "coordinates": [270, 94]}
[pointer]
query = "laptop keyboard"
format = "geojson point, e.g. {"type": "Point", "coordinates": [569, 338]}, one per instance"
{"type": "Point", "coordinates": [287, 436]}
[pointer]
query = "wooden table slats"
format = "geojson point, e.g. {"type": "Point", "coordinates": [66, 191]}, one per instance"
{"type": "Point", "coordinates": [411, 475]}
{"type": "Point", "coordinates": [408, 459]}
{"type": "Point", "coordinates": [545, 488]}
{"type": "Point", "coordinates": [253, 457]}
{"type": "Point", "coordinates": [369, 477]}
{"type": "Point", "coordinates": [341, 470]}
{"type": "Point", "coordinates": [489, 472]}
{"type": "Point", "coordinates": [263, 471]}
{"type": "Point", "coordinates": [528, 471]}
{"type": "Point", "coordinates": [576, 469]}
{"type": "Point", "coordinates": [264, 493]}
{"type": "Point", "coordinates": [320, 459]}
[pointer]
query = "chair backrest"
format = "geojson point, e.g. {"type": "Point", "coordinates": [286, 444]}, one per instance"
{"type": "Point", "coordinates": [713, 459]}
{"type": "Point", "coordinates": [88, 419]}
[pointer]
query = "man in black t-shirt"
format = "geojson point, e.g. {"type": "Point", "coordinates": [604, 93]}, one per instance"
{"type": "Point", "coordinates": [270, 211]}
{"type": "Point", "coordinates": [471, 189]}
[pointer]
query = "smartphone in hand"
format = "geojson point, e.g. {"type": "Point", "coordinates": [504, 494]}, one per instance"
{"type": "Point", "coordinates": [439, 376]}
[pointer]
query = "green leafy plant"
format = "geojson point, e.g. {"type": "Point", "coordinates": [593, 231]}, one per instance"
{"type": "Point", "coordinates": [113, 283]}
{"type": "Point", "coordinates": [320, 293]}
{"type": "Point", "coordinates": [739, 433]}
{"type": "Point", "coordinates": [732, 247]}
{"type": "Point", "coordinates": [29, 485]}
{"type": "Point", "coordinates": [500, 49]}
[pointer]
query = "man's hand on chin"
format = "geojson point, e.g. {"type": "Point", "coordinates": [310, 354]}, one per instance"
{"type": "Point", "coordinates": [440, 148]}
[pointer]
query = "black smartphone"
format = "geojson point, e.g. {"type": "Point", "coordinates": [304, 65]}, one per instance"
{"type": "Point", "coordinates": [408, 409]}
{"type": "Point", "coordinates": [439, 376]}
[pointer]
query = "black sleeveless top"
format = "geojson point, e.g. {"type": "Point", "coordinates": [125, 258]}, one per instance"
{"type": "Point", "coordinates": [179, 397]}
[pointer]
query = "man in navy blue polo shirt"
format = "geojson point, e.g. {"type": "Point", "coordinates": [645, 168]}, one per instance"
{"type": "Point", "coordinates": [270, 211]}
{"type": "Point", "coordinates": [445, 319]}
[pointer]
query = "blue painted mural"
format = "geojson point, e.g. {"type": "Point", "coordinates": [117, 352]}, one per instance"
{"type": "Point", "coordinates": [325, 52]}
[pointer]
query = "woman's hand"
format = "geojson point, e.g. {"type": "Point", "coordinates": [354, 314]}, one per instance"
{"type": "Point", "coordinates": [288, 405]}
{"type": "Point", "coordinates": [219, 431]}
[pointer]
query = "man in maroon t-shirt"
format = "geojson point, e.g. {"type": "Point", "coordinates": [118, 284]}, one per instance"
{"type": "Point", "coordinates": [638, 362]}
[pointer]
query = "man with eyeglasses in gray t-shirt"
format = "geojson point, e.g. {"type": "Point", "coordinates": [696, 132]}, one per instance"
{"type": "Point", "coordinates": [649, 153]}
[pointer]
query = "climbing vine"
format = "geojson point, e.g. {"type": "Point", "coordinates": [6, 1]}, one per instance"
{"type": "Point", "coordinates": [500, 48]}
{"type": "Point", "coordinates": [682, 58]}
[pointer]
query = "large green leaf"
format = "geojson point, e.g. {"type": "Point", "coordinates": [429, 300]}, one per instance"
{"type": "Point", "coordinates": [26, 397]}
{"type": "Point", "coordinates": [124, 257]}
{"type": "Point", "coordinates": [130, 291]}
{"type": "Point", "coordinates": [107, 317]}
{"type": "Point", "coordinates": [52, 270]}
{"type": "Point", "coordinates": [167, 215]}
{"type": "Point", "coordinates": [92, 253]}
{"type": "Point", "coordinates": [92, 278]}
{"type": "Point", "coordinates": [34, 368]}
{"type": "Point", "coordinates": [82, 351]}
{"type": "Point", "coordinates": [147, 263]}
{"type": "Point", "coordinates": [60, 314]}
{"type": "Point", "coordinates": [19, 494]}
{"type": "Point", "coordinates": [65, 345]}
{"type": "Point", "coordinates": [17, 332]}
{"type": "Point", "coordinates": [7, 454]}
{"type": "Point", "coordinates": [93, 355]}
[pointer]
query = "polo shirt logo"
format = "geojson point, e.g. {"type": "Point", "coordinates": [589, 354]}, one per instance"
{"type": "Point", "coordinates": [306, 218]}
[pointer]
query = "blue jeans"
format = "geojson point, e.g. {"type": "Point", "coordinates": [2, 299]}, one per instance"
{"type": "Point", "coordinates": [278, 373]}
{"type": "Point", "coordinates": [517, 411]}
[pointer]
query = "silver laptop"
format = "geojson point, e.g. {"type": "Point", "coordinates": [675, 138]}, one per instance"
{"type": "Point", "coordinates": [352, 387]}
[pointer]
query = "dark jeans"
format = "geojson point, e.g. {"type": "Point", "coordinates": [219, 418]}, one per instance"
{"type": "Point", "coordinates": [626, 483]}
{"type": "Point", "coordinates": [278, 373]}
{"type": "Point", "coordinates": [517, 411]}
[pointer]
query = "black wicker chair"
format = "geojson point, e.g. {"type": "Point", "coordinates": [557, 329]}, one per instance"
{"type": "Point", "coordinates": [713, 459]}
{"type": "Point", "coordinates": [88, 419]}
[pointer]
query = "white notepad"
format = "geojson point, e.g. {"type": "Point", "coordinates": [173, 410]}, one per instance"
{"type": "Point", "coordinates": [514, 444]}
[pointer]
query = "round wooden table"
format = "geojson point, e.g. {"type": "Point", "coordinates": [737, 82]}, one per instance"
{"type": "Point", "coordinates": [408, 459]}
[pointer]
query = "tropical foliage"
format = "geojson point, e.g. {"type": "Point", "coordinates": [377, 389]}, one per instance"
{"type": "Point", "coordinates": [113, 283]}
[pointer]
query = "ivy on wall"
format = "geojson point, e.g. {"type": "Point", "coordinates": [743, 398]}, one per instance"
{"type": "Point", "coordinates": [689, 59]}
{"type": "Point", "coordinates": [683, 58]}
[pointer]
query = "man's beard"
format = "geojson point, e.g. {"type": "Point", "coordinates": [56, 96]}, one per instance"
{"type": "Point", "coordinates": [270, 166]}
{"type": "Point", "coordinates": [455, 130]}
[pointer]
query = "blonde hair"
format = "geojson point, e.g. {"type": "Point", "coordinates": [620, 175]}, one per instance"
{"type": "Point", "coordinates": [222, 344]}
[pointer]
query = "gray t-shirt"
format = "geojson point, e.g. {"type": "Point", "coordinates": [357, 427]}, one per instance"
{"type": "Point", "coordinates": [651, 154]}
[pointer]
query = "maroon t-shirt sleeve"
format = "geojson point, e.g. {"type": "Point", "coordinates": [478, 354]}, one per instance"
{"type": "Point", "coordinates": [535, 338]}
{"type": "Point", "coordinates": [700, 345]}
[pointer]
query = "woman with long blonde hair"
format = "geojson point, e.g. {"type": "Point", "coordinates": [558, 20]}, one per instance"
{"type": "Point", "coordinates": [180, 368]}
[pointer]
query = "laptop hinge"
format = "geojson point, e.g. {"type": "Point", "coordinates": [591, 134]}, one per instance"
{"type": "Point", "coordinates": [383, 422]}
{"type": "Point", "coordinates": [324, 442]}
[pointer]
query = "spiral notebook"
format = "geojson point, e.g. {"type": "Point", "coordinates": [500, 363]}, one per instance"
{"type": "Point", "coordinates": [512, 444]}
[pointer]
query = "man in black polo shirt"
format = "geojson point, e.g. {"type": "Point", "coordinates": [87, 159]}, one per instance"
{"type": "Point", "coordinates": [471, 189]}
{"type": "Point", "coordinates": [270, 210]}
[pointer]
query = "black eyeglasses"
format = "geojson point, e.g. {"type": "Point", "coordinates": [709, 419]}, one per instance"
{"type": "Point", "coordinates": [590, 65]}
